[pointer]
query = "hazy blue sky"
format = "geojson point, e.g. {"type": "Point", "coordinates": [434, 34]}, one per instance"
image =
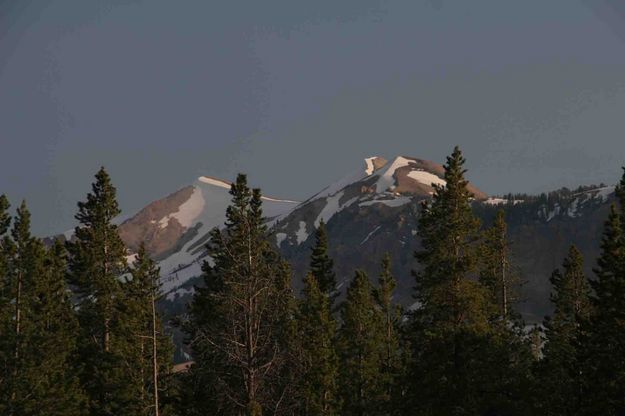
{"type": "Point", "coordinates": [295, 93]}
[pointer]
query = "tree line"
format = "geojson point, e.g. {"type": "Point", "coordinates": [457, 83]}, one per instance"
{"type": "Point", "coordinates": [81, 334]}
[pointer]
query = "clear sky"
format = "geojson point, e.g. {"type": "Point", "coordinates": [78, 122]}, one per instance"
{"type": "Point", "coordinates": [296, 93]}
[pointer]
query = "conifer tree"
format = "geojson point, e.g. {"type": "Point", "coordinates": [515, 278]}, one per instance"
{"type": "Point", "coordinates": [97, 262]}
{"type": "Point", "coordinates": [361, 346]}
{"type": "Point", "coordinates": [321, 264]}
{"type": "Point", "coordinates": [560, 369]}
{"type": "Point", "coordinates": [452, 320]}
{"type": "Point", "coordinates": [152, 349]}
{"type": "Point", "coordinates": [392, 360]}
{"type": "Point", "coordinates": [38, 347]}
{"type": "Point", "coordinates": [233, 320]}
{"type": "Point", "coordinates": [5, 222]}
{"type": "Point", "coordinates": [496, 272]}
{"type": "Point", "coordinates": [603, 343]}
{"type": "Point", "coordinates": [317, 328]}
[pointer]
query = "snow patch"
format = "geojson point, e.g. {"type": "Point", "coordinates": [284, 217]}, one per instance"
{"type": "Point", "coordinates": [386, 179]}
{"type": "Point", "coordinates": [280, 237]}
{"type": "Point", "coordinates": [214, 182]}
{"type": "Point", "coordinates": [301, 234]}
{"type": "Point", "coordinates": [426, 178]}
{"type": "Point", "coordinates": [187, 212]}
{"type": "Point", "coordinates": [370, 167]}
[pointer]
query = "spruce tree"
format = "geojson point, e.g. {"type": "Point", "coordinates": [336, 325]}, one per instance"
{"type": "Point", "coordinates": [451, 322]}
{"type": "Point", "coordinates": [361, 347]}
{"type": "Point", "coordinates": [232, 327]}
{"type": "Point", "coordinates": [97, 262]}
{"type": "Point", "coordinates": [318, 384]}
{"type": "Point", "coordinates": [496, 272]}
{"type": "Point", "coordinates": [392, 361]}
{"type": "Point", "coordinates": [39, 345]}
{"type": "Point", "coordinates": [603, 344]}
{"type": "Point", "coordinates": [5, 302]}
{"type": "Point", "coordinates": [152, 349]}
{"type": "Point", "coordinates": [560, 370]}
{"type": "Point", "coordinates": [321, 264]}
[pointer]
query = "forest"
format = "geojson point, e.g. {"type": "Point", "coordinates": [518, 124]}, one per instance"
{"type": "Point", "coordinates": [81, 332]}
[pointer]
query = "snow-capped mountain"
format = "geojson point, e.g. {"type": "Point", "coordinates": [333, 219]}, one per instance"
{"type": "Point", "coordinates": [176, 227]}
{"type": "Point", "coordinates": [370, 211]}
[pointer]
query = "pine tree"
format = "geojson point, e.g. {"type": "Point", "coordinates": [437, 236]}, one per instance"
{"type": "Point", "coordinates": [452, 321]}
{"type": "Point", "coordinates": [603, 344]}
{"type": "Point", "coordinates": [152, 348]}
{"type": "Point", "coordinates": [361, 347]}
{"type": "Point", "coordinates": [5, 300]}
{"type": "Point", "coordinates": [560, 370]}
{"type": "Point", "coordinates": [496, 272]}
{"type": "Point", "coordinates": [234, 317]}
{"type": "Point", "coordinates": [392, 360]}
{"type": "Point", "coordinates": [39, 344]}
{"type": "Point", "coordinates": [321, 264]}
{"type": "Point", "coordinates": [97, 262]}
{"type": "Point", "coordinates": [317, 330]}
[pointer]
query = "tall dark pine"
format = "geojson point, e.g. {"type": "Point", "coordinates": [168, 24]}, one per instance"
{"type": "Point", "coordinates": [496, 272]}
{"type": "Point", "coordinates": [38, 344]}
{"type": "Point", "coordinates": [452, 320]}
{"type": "Point", "coordinates": [361, 346]}
{"type": "Point", "coordinates": [391, 313]}
{"type": "Point", "coordinates": [560, 370]}
{"type": "Point", "coordinates": [318, 384]}
{"type": "Point", "coordinates": [321, 264]}
{"type": "Point", "coordinates": [152, 349]}
{"type": "Point", "coordinates": [97, 262]}
{"type": "Point", "coordinates": [5, 300]}
{"type": "Point", "coordinates": [234, 318]}
{"type": "Point", "coordinates": [604, 345]}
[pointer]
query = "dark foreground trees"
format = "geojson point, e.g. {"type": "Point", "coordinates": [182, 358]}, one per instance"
{"type": "Point", "coordinates": [97, 346]}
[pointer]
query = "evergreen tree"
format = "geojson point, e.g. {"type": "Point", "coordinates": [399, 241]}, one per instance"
{"type": "Point", "coordinates": [5, 222]}
{"type": "Point", "coordinates": [560, 370]}
{"type": "Point", "coordinates": [152, 349]}
{"type": "Point", "coordinates": [603, 343]}
{"type": "Point", "coordinates": [317, 329]}
{"type": "Point", "coordinates": [496, 272]}
{"type": "Point", "coordinates": [321, 264]}
{"type": "Point", "coordinates": [451, 324]}
{"type": "Point", "coordinates": [39, 345]}
{"type": "Point", "coordinates": [97, 262]}
{"type": "Point", "coordinates": [50, 350]}
{"type": "Point", "coordinates": [232, 328]}
{"type": "Point", "coordinates": [392, 360]}
{"type": "Point", "coordinates": [361, 346]}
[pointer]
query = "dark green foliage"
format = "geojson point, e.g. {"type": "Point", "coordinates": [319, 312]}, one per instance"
{"type": "Point", "coordinates": [603, 343]}
{"type": "Point", "coordinates": [233, 322]}
{"type": "Point", "coordinates": [38, 347]}
{"type": "Point", "coordinates": [321, 265]}
{"type": "Point", "coordinates": [144, 324]}
{"type": "Point", "coordinates": [559, 382]}
{"type": "Point", "coordinates": [496, 271]}
{"type": "Point", "coordinates": [317, 330]}
{"type": "Point", "coordinates": [97, 262]}
{"type": "Point", "coordinates": [361, 346]}
{"type": "Point", "coordinates": [464, 361]}
{"type": "Point", "coordinates": [392, 370]}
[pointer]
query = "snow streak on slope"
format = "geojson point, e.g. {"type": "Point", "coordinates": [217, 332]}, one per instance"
{"type": "Point", "coordinates": [188, 211]}
{"type": "Point", "coordinates": [387, 179]}
{"type": "Point", "coordinates": [426, 178]}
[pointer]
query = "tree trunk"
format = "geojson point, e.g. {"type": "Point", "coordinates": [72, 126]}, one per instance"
{"type": "Point", "coordinates": [154, 358]}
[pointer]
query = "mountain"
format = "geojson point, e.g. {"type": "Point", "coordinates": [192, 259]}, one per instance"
{"type": "Point", "coordinates": [368, 212]}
